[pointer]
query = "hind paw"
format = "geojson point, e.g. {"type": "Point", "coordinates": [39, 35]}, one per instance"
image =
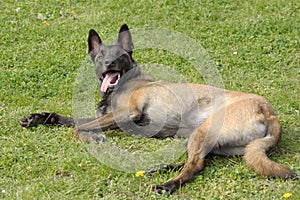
{"type": "Point", "coordinates": [292, 176]}
{"type": "Point", "coordinates": [169, 187]}
{"type": "Point", "coordinates": [155, 168]}
{"type": "Point", "coordinates": [163, 167]}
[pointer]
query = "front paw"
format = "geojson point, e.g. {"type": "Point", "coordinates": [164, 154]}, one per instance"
{"type": "Point", "coordinates": [33, 120]}
{"type": "Point", "coordinates": [169, 187]}
{"type": "Point", "coordinates": [88, 136]}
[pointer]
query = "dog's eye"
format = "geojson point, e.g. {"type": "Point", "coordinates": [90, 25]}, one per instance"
{"type": "Point", "coordinates": [102, 52]}
{"type": "Point", "coordinates": [99, 58]}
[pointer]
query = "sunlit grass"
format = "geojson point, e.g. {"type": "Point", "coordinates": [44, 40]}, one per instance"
{"type": "Point", "coordinates": [255, 45]}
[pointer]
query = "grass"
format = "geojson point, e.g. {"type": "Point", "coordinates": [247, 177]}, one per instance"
{"type": "Point", "coordinates": [255, 45]}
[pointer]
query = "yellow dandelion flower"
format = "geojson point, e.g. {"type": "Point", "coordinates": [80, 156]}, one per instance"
{"type": "Point", "coordinates": [45, 23]}
{"type": "Point", "coordinates": [287, 195]}
{"type": "Point", "coordinates": [139, 173]}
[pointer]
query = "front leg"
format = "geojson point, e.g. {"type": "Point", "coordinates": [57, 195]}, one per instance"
{"type": "Point", "coordinates": [110, 121]}
{"type": "Point", "coordinates": [102, 124]}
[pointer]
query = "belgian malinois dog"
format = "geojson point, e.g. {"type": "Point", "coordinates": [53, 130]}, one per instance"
{"type": "Point", "coordinates": [215, 121]}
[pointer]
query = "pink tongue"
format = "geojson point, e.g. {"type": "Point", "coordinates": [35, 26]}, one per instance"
{"type": "Point", "coordinates": [107, 80]}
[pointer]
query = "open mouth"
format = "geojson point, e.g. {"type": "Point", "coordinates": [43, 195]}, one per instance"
{"type": "Point", "coordinates": [110, 79]}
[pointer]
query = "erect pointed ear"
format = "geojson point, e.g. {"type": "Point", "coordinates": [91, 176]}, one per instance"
{"type": "Point", "coordinates": [94, 42]}
{"type": "Point", "coordinates": [125, 38]}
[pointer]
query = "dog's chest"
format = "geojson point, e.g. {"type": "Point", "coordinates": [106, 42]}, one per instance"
{"type": "Point", "coordinates": [104, 106]}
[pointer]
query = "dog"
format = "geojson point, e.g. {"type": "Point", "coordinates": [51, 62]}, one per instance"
{"type": "Point", "coordinates": [215, 121]}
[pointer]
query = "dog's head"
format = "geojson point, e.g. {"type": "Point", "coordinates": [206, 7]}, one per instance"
{"type": "Point", "coordinates": [111, 62]}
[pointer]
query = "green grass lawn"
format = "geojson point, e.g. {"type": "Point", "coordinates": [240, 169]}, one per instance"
{"type": "Point", "coordinates": [255, 46]}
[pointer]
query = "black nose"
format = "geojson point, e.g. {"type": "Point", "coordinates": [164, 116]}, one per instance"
{"type": "Point", "coordinates": [108, 62]}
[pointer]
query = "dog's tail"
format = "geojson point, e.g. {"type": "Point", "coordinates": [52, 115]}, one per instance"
{"type": "Point", "coordinates": [255, 153]}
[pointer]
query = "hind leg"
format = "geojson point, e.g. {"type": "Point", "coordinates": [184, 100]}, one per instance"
{"type": "Point", "coordinates": [224, 136]}
{"type": "Point", "coordinates": [200, 143]}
